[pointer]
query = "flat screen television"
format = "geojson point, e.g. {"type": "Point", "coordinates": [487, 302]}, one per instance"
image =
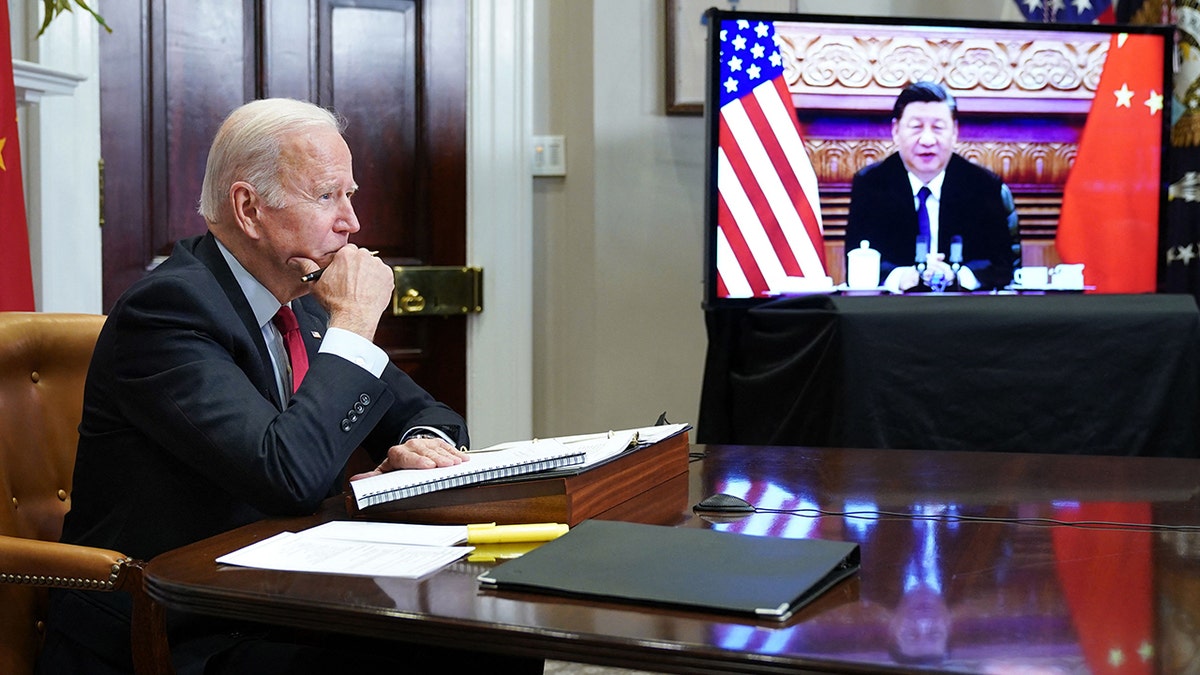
{"type": "Point", "coordinates": [1074, 119]}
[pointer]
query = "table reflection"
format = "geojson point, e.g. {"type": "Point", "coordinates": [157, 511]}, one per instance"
{"type": "Point", "coordinates": [940, 588]}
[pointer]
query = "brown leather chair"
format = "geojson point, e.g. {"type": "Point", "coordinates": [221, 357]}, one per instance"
{"type": "Point", "coordinates": [43, 363]}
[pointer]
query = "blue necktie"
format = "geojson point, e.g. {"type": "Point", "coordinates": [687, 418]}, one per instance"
{"type": "Point", "coordinates": [923, 215]}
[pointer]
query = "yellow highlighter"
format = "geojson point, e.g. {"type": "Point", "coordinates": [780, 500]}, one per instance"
{"type": "Point", "coordinates": [491, 533]}
{"type": "Point", "coordinates": [499, 552]}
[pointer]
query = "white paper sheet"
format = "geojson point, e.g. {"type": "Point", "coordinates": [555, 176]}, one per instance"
{"type": "Point", "coordinates": [390, 533]}
{"type": "Point", "coordinates": [299, 552]}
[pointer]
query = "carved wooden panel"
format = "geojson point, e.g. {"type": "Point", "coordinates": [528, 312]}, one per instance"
{"type": "Point", "coordinates": [835, 160]}
{"type": "Point", "coordinates": [987, 69]}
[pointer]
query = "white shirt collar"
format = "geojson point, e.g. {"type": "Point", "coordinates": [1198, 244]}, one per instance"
{"type": "Point", "coordinates": [935, 185]}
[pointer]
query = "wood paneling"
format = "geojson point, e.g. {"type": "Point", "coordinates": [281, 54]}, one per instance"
{"type": "Point", "coordinates": [394, 69]}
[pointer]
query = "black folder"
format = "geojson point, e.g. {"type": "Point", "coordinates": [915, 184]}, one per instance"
{"type": "Point", "coordinates": [764, 577]}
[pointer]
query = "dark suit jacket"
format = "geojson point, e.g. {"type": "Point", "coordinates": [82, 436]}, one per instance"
{"type": "Point", "coordinates": [975, 205]}
{"type": "Point", "coordinates": [183, 433]}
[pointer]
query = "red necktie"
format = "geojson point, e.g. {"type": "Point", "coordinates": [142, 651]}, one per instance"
{"type": "Point", "coordinates": [285, 321]}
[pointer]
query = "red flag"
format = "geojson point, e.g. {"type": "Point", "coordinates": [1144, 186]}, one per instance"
{"type": "Point", "coordinates": [768, 220]}
{"type": "Point", "coordinates": [16, 277]}
{"type": "Point", "coordinates": [1110, 204]}
{"type": "Point", "coordinates": [1107, 578]}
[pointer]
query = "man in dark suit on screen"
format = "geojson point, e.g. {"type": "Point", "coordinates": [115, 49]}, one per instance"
{"type": "Point", "coordinates": [964, 204]}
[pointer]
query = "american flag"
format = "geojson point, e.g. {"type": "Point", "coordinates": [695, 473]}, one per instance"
{"type": "Point", "coordinates": [768, 220]}
{"type": "Point", "coordinates": [1067, 11]}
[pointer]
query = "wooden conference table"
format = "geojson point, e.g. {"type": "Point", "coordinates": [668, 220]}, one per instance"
{"type": "Point", "coordinates": [962, 570]}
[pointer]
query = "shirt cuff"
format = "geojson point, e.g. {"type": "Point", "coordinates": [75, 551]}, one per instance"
{"type": "Point", "coordinates": [966, 278]}
{"type": "Point", "coordinates": [425, 431]}
{"type": "Point", "coordinates": [892, 282]}
{"type": "Point", "coordinates": [356, 349]}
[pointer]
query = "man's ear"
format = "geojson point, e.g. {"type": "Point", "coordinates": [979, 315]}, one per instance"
{"type": "Point", "coordinates": [247, 208]}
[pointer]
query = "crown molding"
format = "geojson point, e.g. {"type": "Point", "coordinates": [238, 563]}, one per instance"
{"type": "Point", "coordinates": [34, 81]}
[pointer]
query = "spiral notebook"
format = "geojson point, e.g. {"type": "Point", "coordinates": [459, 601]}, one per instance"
{"type": "Point", "coordinates": [519, 459]}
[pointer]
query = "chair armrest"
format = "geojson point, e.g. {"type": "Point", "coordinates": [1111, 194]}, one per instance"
{"type": "Point", "coordinates": [54, 564]}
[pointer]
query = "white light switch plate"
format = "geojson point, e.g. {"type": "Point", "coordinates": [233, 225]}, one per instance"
{"type": "Point", "coordinates": [549, 156]}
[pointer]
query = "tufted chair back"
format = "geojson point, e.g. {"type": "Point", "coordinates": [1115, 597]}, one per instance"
{"type": "Point", "coordinates": [44, 360]}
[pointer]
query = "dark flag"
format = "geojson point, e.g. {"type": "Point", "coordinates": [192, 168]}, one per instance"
{"type": "Point", "coordinates": [1179, 269]}
{"type": "Point", "coordinates": [1143, 11]}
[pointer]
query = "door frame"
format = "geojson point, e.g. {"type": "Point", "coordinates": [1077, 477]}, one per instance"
{"type": "Point", "coordinates": [500, 220]}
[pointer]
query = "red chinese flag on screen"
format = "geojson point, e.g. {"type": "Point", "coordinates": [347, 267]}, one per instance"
{"type": "Point", "coordinates": [768, 217]}
{"type": "Point", "coordinates": [1110, 204]}
{"type": "Point", "coordinates": [16, 279]}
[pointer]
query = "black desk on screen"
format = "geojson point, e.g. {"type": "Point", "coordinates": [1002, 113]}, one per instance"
{"type": "Point", "coordinates": [1095, 374]}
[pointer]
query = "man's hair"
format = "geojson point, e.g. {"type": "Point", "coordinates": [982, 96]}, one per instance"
{"type": "Point", "coordinates": [247, 148]}
{"type": "Point", "coordinates": [924, 92]}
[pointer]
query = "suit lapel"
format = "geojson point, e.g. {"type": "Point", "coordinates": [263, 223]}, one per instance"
{"type": "Point", "coordinates": [264, 376]}
{"type": "Point", "coordinates": [900, 195]}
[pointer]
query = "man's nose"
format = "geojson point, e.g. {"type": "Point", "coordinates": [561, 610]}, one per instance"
{"type": "Point", "coordinates": [347, 221]}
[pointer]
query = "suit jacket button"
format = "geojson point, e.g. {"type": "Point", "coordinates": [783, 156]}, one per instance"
{"type": "Point", "coordinates": [352, 416]}
{"type": "Point", "coordinates": [346, 425]}
{"type": "Point", "coordinates": [359, 408]}
{"type": "Point", "coordinates": [364, 399]}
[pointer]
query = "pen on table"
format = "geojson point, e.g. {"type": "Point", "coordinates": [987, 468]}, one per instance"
{"type": "Point", "coordinates": [316, 274]}
{"type": "Point", "coordinates": [491, 533]}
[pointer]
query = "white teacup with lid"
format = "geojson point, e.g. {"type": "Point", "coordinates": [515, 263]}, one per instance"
{"type": "Point", "coordinates": [862, 267]}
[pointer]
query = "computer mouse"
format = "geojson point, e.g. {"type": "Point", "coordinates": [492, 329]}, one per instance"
{"type": "Point", "coordinates": [723, 503]}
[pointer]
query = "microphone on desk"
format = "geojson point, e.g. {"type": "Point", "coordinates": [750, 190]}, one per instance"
{"type": "Point", "coordinates": [956, 257]}
{"type": "Point", "coordinates": [922, 252]}
{"type": "Point", "coordinates": [921, 262]}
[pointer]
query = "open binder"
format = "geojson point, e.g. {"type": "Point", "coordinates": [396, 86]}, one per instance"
{"type": "Point", "coordinates": [763, 577]}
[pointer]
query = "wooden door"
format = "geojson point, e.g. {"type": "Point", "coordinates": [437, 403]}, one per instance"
{"type": "Point", "coordinates": [395, 69]}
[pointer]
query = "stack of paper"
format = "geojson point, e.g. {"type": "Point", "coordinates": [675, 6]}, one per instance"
{"type": "Point", "coordinates": [365, 548]}
{"type": "Point", "coordinates": [357, 548]}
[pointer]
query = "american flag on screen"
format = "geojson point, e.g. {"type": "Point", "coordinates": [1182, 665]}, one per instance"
{"type": "Point", "coordinates": [768, 218]}
{"type": "Point", "coordinates": [1067, 11]}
